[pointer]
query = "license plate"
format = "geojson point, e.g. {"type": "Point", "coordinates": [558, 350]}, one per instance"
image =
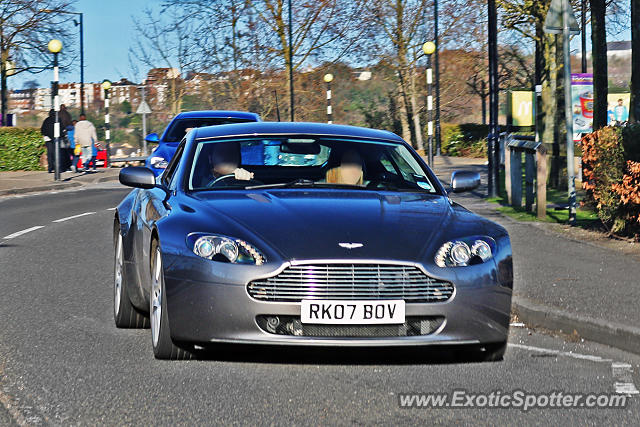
{"type": "Point", "coordinates": [352, 312]}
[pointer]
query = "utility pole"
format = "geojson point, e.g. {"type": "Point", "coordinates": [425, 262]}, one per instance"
{"type": "Point", "coordinates": [561, 20]}
{"type": "Point", "coordinates": [436, 40]}
{"type": "Point", "coordinates": [81, 64]}
{"type": "Point", "coordinates": [583, 24]}
{"type": "Point", "coordinates": [493, 149]}
{"type": "Point", "coordinates": [291, 96]}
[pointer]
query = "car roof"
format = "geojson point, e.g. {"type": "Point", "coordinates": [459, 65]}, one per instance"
{"type": "Point", "coordinates": [218, 113]}
{"type": "Point", "coordinates": [293, 128]}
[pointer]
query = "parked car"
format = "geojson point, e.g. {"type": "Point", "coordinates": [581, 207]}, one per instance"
{"type": "Point", "coordinates": [178, 127]}
{"type": "Point", "coordinates": [307, 234]}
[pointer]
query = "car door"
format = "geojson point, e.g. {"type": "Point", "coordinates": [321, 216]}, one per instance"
{"type": "Point", "coordinates": [154, 206]}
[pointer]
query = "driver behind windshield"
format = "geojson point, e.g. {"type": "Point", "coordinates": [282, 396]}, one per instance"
{"type": "Point", "coordinates": [224, 159]}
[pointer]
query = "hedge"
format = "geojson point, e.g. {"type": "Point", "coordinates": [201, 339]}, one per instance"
{"type": "Point", "coordinates": [467, 139]}
{"type": "Point", "coordinates": [20, 149]}
{"type": "Point", "coordinates": [611, 176]}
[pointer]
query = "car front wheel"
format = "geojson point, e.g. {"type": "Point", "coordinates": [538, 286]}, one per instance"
{"type": "Point", "coordinates": [163, 346]}
{"type": "Point", "coordinates": [124, 313]}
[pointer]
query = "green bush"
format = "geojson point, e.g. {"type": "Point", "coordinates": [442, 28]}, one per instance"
{"type": "Point", "coordinates": [20, 149]}
{"type": "Point", "coordinates": [467, 139]}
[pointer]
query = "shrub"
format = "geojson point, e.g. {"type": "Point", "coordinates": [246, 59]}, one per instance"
{"type": "Point", "coordinates": [611, 179]}
{"type": "Point", "coordinates": [468, 139]}
{"type": "Point", "coordinates": [628, 190]}
{"type": "Point", "coordinates": [20, 149]}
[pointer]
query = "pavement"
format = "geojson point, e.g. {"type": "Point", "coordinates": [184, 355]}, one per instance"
{"type": "Point", "coordinates": [22, 182]}
{"type": "Point", "coordinates": [561, 284]}
{"type": "Point", "coordinates": [63, 361]}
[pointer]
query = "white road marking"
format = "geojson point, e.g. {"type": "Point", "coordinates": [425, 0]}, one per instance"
{"type": "Point", "coordinates": [73, 217]}
{"type": "Point", "coordinates": [623, 379]}
{"type": "Point", "coordinates": [561, 353]}
{"type": "Point", "coordinates": [20, 233]}
{"type": "Point", "coordinates": [111, 209]}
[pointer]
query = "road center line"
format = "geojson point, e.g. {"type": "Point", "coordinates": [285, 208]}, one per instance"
{"type": "Point", "coordinates": [73, 217]}
{"type": "Point", "coordinates": [20, 233]}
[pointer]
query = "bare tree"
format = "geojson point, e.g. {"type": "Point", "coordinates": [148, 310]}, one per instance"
{"type": "Point", "coordinates": [26, 26]}
{"type": "Point", "coordinates": [166, 40]}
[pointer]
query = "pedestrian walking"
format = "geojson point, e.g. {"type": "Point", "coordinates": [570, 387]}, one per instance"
{"type": "Point", "coordinates": [74, 150]}
{"type": "Point", "coordinates": [65, 117]}
{"type": "Point", "coordinates": [47, 133]}
{"type": "Point", "coordinates": [85, 135]}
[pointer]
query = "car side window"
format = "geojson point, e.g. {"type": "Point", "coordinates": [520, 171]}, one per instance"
{"type": "Point", "coordinates": [172, 167]}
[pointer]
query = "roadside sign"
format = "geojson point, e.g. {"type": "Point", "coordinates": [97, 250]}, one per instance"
{"type": "Point", "coordinates": [143, 108]}
{"type": "Point", "coordinates": [553, 24]}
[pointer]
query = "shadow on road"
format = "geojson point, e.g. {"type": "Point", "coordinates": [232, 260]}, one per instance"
{"type": "Point", "coordinates": [343, 355]}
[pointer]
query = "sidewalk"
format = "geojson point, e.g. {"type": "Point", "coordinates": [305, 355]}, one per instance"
{"type": "Point", "coordinates": [29, 182]}
{"type": "Point", "coordinates": [563, 284]}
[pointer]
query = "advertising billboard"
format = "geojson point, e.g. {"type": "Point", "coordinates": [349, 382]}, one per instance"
{"type": "Point", "coordinates": [582, 104]}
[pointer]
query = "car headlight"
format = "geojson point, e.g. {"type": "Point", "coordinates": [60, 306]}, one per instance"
{"type": "Point", "coordinates": [224, 249]}
{"type": "Point", "coordinates": [463, 252]}
{"type": "Point", "coordinates": [158, 162]}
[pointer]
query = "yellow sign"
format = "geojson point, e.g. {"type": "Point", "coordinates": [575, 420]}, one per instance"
{"type": "Point", "coordinates": [522, 108]}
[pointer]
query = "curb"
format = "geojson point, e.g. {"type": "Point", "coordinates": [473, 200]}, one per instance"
{"type": "Point", "coordinates": [609, 333]}
{"type": "Point", "coordinates": [61, 186]}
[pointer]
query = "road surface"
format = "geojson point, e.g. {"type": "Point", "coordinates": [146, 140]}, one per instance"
{"type": "Point", "coordinates": [62, 360]}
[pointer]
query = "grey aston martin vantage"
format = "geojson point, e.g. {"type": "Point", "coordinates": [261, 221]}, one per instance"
{"type": "Point", "coordinates": [306, 234]}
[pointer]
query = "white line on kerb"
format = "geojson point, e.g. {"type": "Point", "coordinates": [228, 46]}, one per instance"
{"type": "Point", "coordinates": [73, 217]}
{"type": "Point", "coordinates": [20, 233]}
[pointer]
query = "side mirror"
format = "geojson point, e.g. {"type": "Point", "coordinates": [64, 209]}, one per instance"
{"type": "Point", "coordinates": [152, 137]}
{"type": "Point", "coordinates": [138, 177]}
{"type": "Point", "coordinates": [464, 181]}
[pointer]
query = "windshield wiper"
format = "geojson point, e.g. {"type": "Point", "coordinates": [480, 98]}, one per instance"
{"type": "Point", "coordinates": [300, 182]}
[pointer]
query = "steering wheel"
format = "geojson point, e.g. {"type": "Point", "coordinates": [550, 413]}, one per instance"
{"type": "Point", "coordinates": [215, 181]}
{"type": "Point", "coordinates": [382, 179]}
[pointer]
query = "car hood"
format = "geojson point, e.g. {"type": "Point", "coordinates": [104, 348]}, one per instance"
{"type": "Point", "coordinates": [311, 224]}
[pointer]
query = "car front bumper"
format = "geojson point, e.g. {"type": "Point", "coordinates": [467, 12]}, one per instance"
{"type": "Point", "coordinates": [203, 311]}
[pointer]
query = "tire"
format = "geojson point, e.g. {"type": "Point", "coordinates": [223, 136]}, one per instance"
{"type": "Point", "coordinates": [163, 346]}
{"type": "Point", "coordinates": [124, 313]}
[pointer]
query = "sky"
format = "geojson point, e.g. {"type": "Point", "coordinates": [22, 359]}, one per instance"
{"type": "Point", "coordinates": [108, 32]}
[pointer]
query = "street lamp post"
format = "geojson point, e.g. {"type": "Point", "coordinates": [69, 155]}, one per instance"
{"type": "Point", "coordinates": [436, 41]}
{"type": "Point", "coordinates": [328, 78]}
{"type": "Point", "coordinates": [81, 24]}
{"type": "Point", "coordinates": [429, 48]}
{"type": "Point", "coordinates": [55, 46]}
{"type": "Point", "coordinates": [106, 85]}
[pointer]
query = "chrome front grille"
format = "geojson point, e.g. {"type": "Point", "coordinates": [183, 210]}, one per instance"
{"type": "Point", "coordinates": [351, 282]}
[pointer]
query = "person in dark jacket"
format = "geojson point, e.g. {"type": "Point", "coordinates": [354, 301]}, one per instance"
{"type": "Point", "coordinates": [47, 133]}
{"type": "Point", "coordinates": [65, 117]}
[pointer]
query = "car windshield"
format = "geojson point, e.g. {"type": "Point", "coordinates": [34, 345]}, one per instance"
{"type": "Point", "coordinates": [311, 161]}
{"type": "Point", "coordinates": [180, 127]}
